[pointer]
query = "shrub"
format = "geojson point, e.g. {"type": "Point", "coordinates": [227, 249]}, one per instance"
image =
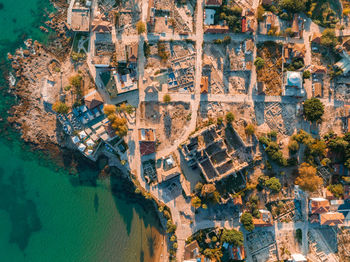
{"type": "Point", "coordinates": [75, 81]}
{"type": "Point", "coordinates": [259, 63]}
{"type": "Point", "coordinates": [109, 109]}
{"type": "Point", "coordinates": [196, 202]}
{"type": "Point", "coordinates": [219, 121]}
{"type": "Point", "coordinates": [250, 129]}
{"type": "Point", "coordinates": [171, 228]}
{"type": "Point", "coordinates": [166, 98]}
{"type": "Point", "coordinates": [272, 134]}
{"type": "Point", "coordinates": [198, 187]}
{"type": "Point", "coordinates": [306, 74]}
{"type": "Point", "coordinates": [60, 107]}
{"type": "Point", "coordinates": [337, 190]}
{"type": "Point", "coordinates": [141, 27]}
{"type": "Point", "coordinates": [293, 146]}
{"type": "Point", "coordinates": [230, 117]}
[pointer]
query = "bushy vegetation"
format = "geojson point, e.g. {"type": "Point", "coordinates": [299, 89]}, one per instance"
{"type": "Point", "coordinates": [162, 53]}
{"type": "Point", "coordinates": [313, 109]}
{"type": "Point", "coordinates": [308, 179]}
{"type": "Point", "coordinates": [166, 98]}
{"type": "Point", "coordinates": [273, 151]}
{"type": "Point", "coordinates": [306, 74]}
{"type": "Point", "coordinates": [230, 117]}
{"type": "Point", "coordinates": [329, 38]}
{"type": "Point", "coordinates": [210, 241]}
{"type": "Point", "coordinates": [232, 236]}
{"type": "Point", "coordinates": [60, 107]}
{"type": "Point", "coordinates": [337, 190]}
{"type": "Point", "coordinates": [247, 221]}
{"type": "Point", "coordinates": [259, 63]}
{"type": "Point", "coordinates": [232, 16]}
{"type": "Point", "coordinates": [204, 195]}
{"type": "Point", "coordinates": [141, 27]}
{"type": "Point", "coordinates": [249, 129]}
{"type": "Point", "coordinates": [322, 12]}
{"type": "Point", "coordinates": [119, 124]}
{"type": "Point", "coordinates": [296, 63]}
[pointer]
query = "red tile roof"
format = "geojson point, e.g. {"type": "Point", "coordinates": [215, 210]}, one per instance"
{"type": "Point", "coordinates": [331, 219]}
{"type": "Point", "coordinates": [147, 148]}
{"type": "Point", "coordinates": [319, 206]}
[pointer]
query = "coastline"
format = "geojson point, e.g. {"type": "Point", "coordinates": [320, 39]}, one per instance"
{"type": "Point", "coordinates": [38, 127]}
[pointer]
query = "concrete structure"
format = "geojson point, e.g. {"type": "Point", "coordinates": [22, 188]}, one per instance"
{"type": "Point", "coordinates": [78, 17]}
{"type": "Point", "coordinates": [209, 16]}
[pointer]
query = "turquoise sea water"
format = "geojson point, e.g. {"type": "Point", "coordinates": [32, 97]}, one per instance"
{"type": "Point", "coordinates": [46, 214]}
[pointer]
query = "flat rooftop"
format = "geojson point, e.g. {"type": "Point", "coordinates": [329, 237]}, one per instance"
{"type": "Point", "coordinates": [80, 19]}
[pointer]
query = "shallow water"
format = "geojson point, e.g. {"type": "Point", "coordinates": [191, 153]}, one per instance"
{"type": "Point", "coordinates": [45, 213]}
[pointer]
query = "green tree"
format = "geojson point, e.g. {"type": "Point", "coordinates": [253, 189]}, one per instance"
{"type": "Point", "coordinates": [171, 228]}
{"type": "Point", "coordinates": [306, 74]}
{"type": "Point", "coordinates": [166, 98]}
{"type": "Point", "coordinates": [75, 80]}
{"type": "Point", "coordinates": [232, 237]}
{"type": "Point", "coordinates": [259, 63]}
{"type": "Point", "coordinates": [60, 107]}
{"type": "Point", "coordinates": [250, 129]}
{"type": "Point", "coordinates": [219, 121]}
{"type": "Point", "coordinates": [198, 187]}
{"type": "Point", "coordinates": [141, 27]}
{"type": "Point", "coordinates": [273, 184]}
{"type": "Point", "coordinates": [196, 202]}
{"type": "Point", "coordinates": [247, 221]}
{"type": "Point", "coordinates": [313, 109]}
{"type": "Point", "coordinates": [109, 109]}
{"type": "Point", "coordinates": [293, 146]}
{"type": "Point", "coordinates": [230, 117]}
{"type": "Point", "coordinates": [292, 6]}
{"type": "Point", "coordinates": [337, 190]}
{"type": "Point", "coordinates": [329, 38]}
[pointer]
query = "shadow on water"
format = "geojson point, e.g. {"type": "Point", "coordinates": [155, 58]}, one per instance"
{"type": "Point", "coordinates": [123, 189]}
{"type": "Point", "coordinates": [151, 241]}
{"type": "Point", "coordinates": [22, 211]}
{"type": "Point", "coordinates": [96, 202]}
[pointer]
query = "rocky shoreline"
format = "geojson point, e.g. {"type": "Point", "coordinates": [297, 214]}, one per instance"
{"type": "Point", "coordinates": [40, 129]}
{"type": "Point", "coordinates": [37, 125]}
